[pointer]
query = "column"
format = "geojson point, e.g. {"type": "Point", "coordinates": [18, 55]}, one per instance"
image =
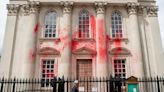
{"type": "Point", "coordinates": [141, 21]}
{"type": "Point", "coordinates": [9, 40]}
{"type": "Point", "coordinates": [101, 40]}
{"type": "Point", "coordinates": [65, 35]}
{"type": "Point", "coordinates": [154, 41]}
{"type": "Point", "coordinates": [134, 37]}
{"type": "Point", "coordinates": [25, 49]}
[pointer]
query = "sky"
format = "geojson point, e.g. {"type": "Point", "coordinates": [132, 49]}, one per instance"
{"type": "Point", "coordinates": [3, 17]}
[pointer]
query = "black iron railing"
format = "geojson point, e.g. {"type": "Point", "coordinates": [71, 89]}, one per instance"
{"type": "Point", "coordinates": [85, 85]}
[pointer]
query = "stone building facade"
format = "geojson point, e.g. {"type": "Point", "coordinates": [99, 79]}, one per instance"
{"type": "Point", "coordinates": [82, 38]}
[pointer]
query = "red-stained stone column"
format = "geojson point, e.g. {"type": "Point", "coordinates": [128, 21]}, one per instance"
{"type": "Point", "coordinates": [101, 40]}
{"type": "Point", "coordinates": [25, 44]}
{"type": "Point", "coordinates": [64, 65]}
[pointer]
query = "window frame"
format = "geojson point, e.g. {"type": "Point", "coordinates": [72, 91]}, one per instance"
{"type": "Point", "coordinates": [41, 70]}
{"type": "Point", "coordinates": [118, 68]}
{"type": "Point", "coordinates": [88, 34]}
{"type": "Point", "coordinates": [55, 23]}
{"type": "Point", "coordinates": [125, 68]}
{"type": "Point", "coordinates": [116, 25]}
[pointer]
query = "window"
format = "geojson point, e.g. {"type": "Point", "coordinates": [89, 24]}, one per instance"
{"type": "Point", "coordinates": [50, 25]}
{"type": "Point", "coordinates": [49, 70]}
{"type": "Point", "coordinates": [84, 24]}
{"type": "Point", "coordinates": [119, 69]}
{"type": "Point", "coordinates": [116, 25]}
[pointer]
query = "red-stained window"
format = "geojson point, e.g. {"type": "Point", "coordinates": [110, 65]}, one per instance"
{"type": "Point", "coordinates": [84, 24]}
{"type": "Point", "coordinates": [49, 70]}
{"type": "Point", "coordinates": [119, 68]}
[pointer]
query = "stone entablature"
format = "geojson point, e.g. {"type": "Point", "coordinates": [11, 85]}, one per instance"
{"type": "Point", "coordinates": [33, 7]}
{"type": "Point", "coordinates": [89, 1]}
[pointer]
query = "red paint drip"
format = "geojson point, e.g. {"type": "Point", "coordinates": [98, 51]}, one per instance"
{"type": "Point", "coordinates": [117, 45]}
{"type": "Point", "coordinates": [102, 41]}
{"type": "Point", "coordinates": [36, 29]}
{"type": "Point", "coordinates": [32, 55]}
{"type": "Point", "coordinates": [93, 25]}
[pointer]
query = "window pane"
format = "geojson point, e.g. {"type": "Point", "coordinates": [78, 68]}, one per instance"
{"type": "Point", "coordinates": [50, 24]}
{"type": "Point", "coordinates": [84, 24]}
{"type": "Point", "coordinates": [48, 71]}
{"type": "Point", "coordinates": [119, 68]}
{"type": "Point", "coordinates": [116, 25]}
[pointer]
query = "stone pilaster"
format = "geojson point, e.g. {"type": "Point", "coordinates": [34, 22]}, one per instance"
{"type": "Point", "coordinates": [101, 40]}
{"type": "Point", "coordinates": [25, 48]}
{"type": "Point", "coordinates": [141, 21]}
{"type": "Point", "coordinates": [64, 65]}
{"type": "Point", "coordinates": [134, 40]}
{"type": "Point", "coordinates": [9, 40]}
{"type": "Point", "coordinates": [154, 41]}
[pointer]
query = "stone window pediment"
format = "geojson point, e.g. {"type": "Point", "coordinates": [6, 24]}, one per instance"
{"type": "Point", "coordinates": [84, 51]}
{"type": "Point", "coordinates": [48, 51]}
{"type": "Point", "coordinates": [119, 51]}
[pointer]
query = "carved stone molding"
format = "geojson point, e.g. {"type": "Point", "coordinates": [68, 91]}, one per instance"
{"type": "Point", "coordinates": [34, 7]}
{"type": "Point", "coordinates": [132, 8]}
{"type": "Point", "coordinates": [152, 11]}
{"type": "Point", "coordinates": [84, 51]}
{"type": "Point", "coordinates": [141, 10]}
{"type": "Point", "coordinates": [100, 7]}
{"type": "Point", "coordinates": [48, 51]}
{"type": "Point", "coordinates": [31, 7]}
{"type": "Point", "coordinates": [25, 9]}
{"type": "Point", "coordinates": [120, 51]}
{"type": "Point", "coordinates": [12, 9]}
{"type": "Point", "coordinates": [67, 6]}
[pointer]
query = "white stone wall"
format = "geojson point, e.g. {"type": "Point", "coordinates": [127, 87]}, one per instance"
{"type": "Point", "coordinates": [24, 48]}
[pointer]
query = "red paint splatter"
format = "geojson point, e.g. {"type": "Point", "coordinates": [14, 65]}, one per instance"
{"type": "Point", "coordinates": [102, 50]}
{"type": "Point", "coordinates": [93, 25]}
{"type": "Point", "coordinates": [37, 27]}
{"type": "Point", "coordinates": [32, 55]}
